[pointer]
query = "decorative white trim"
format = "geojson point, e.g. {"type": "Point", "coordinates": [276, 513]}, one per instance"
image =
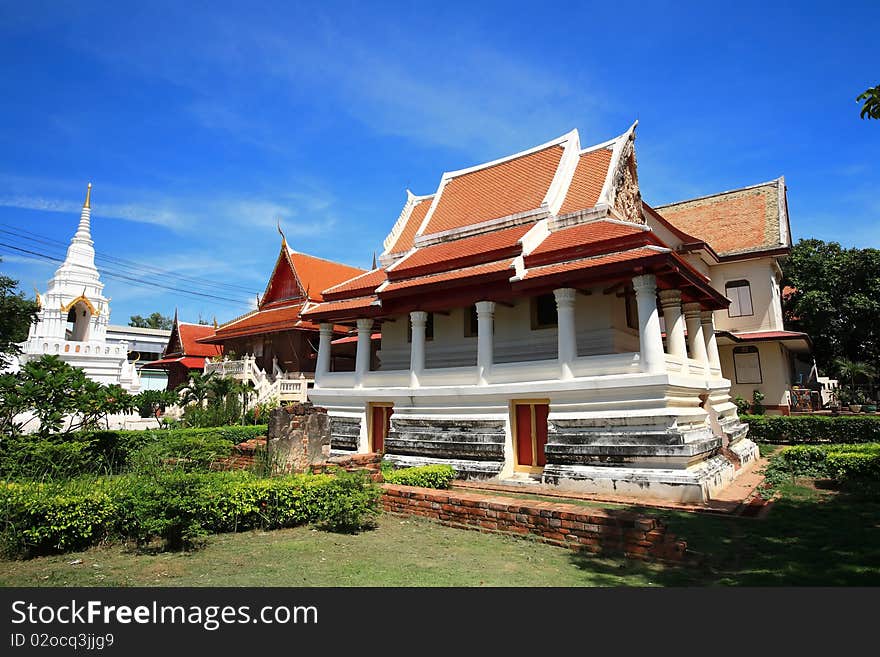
{"type": "Point", "coordinates": [353, 278]}
{"type": "Point", "coordinates": [784, 234]}
{"type": "Point", "coordinates": [403, 218]}
{"type": "Point", "coordinates": [535, 235]}
{"type": "Point", "coordinates": [483, 227]}
{"type": "Point", "coordinates": [558, 189]}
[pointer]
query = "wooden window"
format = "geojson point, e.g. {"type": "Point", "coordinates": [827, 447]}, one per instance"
{"type": "Point", "coordinates": [747, 365]}
{"type": "Point", "coordinates": [544, 312]}
{"type": "Point", "coordinates": [740, 295]}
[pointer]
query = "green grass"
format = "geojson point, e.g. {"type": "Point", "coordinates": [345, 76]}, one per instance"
{"type": "Point", "coordinates": [401, 552]}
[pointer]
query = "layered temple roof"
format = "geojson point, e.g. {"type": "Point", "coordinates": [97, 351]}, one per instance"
{"type": "Point", "coordinates": [743, 221]}
{"type": "Point", "coordinates": [552, 216]}
{"type": "Point", "coordinates": [296, 283]}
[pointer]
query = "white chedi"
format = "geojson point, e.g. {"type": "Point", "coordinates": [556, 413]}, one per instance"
{"type": "Point", "coordinates": [74, 314]}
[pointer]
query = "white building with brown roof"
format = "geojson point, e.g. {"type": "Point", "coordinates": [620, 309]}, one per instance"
{"type": "Point", "coordinates": [520, 312]}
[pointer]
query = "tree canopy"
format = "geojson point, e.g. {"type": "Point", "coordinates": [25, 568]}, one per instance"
{"type": "Point", "coordinates": [16, 316]}
{"type": "Point", "coordinates": [871, 99]}
{"type": "Point", "coordinates": [836, 300]}
{"type": "Point", "coordinates": [154, 321]}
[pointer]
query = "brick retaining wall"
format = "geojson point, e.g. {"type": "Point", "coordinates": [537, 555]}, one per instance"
{"type": "Point", "coordinates": [567, 525]}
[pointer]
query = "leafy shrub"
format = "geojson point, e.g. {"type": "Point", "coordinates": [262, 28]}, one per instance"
{"type": "Point", "coordinates": [176, 507]}
{"type": "Point", "coordinates": [846, 464]}
{"type": "Point", "coordinates": [855, 469]}
{"type": "Point", "coordinates": [425, 476]}
{"type": "Point", "coordinates": [841, 429]}
{"type": "Point", "coordinates": [102, 452]}
{"type": "Point", "coordinates": [39, 518]}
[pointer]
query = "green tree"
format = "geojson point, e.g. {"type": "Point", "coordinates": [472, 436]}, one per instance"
{"type": "Point", "coordinates": [52, 390]}
{"type": "Point", "coordinates": [196, 389]}
{"type": "Point", "coordinates": [835, 300]}
{"type": "Point", "coordinates": [16, 316]}
{"type": "Point", "coordinates": [871, 99]}
{"type": "Point", "coordinates": [154, 321]}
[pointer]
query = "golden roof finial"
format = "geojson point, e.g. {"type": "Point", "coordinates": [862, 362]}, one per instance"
{"type": "Point", "coordinates": [88, 203]}
{"type": "Point", "coordinates": [281, 232]}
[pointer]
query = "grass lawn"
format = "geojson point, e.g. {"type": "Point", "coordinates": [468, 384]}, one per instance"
{"type": "Point", "coordinates": [401, 552]}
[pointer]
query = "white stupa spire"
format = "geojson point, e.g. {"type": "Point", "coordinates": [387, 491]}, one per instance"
{"type": "Point", "coordinates": [81, 252]}
{"type": "Point", "coordinates": [84, 232]}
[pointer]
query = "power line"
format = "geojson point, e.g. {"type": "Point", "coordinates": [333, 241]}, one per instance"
{"type": "Point", "coordinates": [21, 233]}
{"type": "Point", "coordinates": [136, 281]}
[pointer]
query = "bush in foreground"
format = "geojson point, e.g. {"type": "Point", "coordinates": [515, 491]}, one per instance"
{"type": "Point", "coordinates": [176, 508]}
{"type": "Point", "coordinates": [851, 466]}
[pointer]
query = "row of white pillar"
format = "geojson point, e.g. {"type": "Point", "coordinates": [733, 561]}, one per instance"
{"type": "Point", "coordinates": [700, 335]}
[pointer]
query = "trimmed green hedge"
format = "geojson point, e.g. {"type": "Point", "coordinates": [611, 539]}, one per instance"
{"type": "Point", "coordinates": [179, 508]}
{"type": "Point", "coordinates": [105, 452]}
{"type": "Point", "coordinates": [849, 465]}
{"type": "Point", "coordinates": [424, 476]}
{"type": "Point", "coordinates": [812, 429]}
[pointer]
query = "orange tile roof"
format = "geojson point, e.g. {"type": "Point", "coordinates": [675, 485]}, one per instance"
{"type": "Point", "coordinates": [590, 263]}
{"type": "Point", "coordinates": [450, 255]}
{"type": "Point", "coordinates": [465, 273]}
{"type": "Point", "coordinates": [510, 187]}
{"type": "Point", "coordinates": [740, 221]}
{"type": "Point", "coordinates": [363, 283]}
{"type": "Point", "coordinates": [283, 318]}
{"type": "Point", "coordinates": [589, 178]}
{"type": "Point", "coordinates": [317, 274]}
{"type": "Point", "coordinates": [190, 333]}
{"type": "Point", "coordinates": [358, 303]}
{"type": "Point", "coordinates": [584, 236]}
{"type": "Point", "coordinates": [404, 241]}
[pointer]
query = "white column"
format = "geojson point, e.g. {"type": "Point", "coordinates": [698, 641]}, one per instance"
{"type": "Point", "coordinates": [362, 356]}
{"type": "Point", "coordinates": [485, 339]}
{"type": "Point", "coordinates": [707, 319]}
{"type": "Point", "coordinates": [650, 338]}
{"type": "Point", "coordinates": [696, 343]}
{"type": "Point", "coordinates": [418, 319]}
{"type": "Point", "coordinates": [670, 301]}
{"type": "Point", "coordinates": [567, 338]}
{"type": "Point", "coordinates": [324, 347]}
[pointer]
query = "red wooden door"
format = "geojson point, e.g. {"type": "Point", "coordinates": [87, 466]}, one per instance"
{"type": "Point", "coordinates": [380, 425]}
{"type": "Point", "coordinates": [531, 433]}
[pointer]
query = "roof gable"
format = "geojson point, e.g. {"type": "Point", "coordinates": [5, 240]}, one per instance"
{"type": "Point", "coordinates": [283, 283]}
{"type": "Point", "coordinates": [741, 221]}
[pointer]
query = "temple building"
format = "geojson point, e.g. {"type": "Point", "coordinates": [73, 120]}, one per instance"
{"type": "Point", "coordinates": [540, 322]}
{"type": "Point", "coordinates": [74, 315]}
{"type": "Point", "coordinates": [272, 346]}
{"type": "Point", "coordinates": [183, 352]}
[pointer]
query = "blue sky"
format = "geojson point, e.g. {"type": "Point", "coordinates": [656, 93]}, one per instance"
{"type": "Point", "coordinates": [200, 123]}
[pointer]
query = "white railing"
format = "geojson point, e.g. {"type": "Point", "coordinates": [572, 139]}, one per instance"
{"type": "Point", "coordinates": [500, 373]}
{"type": "Point", "coordinates": [279, 385]}
{"type": "Point", "coordinates": [70, 348]}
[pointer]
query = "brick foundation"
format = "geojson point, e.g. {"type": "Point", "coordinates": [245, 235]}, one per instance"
{"type": "Point", "coordinates": [244, 456]}
{"type": "Point", "coordinates": [369, 463]}
{"type": "Point", "coordinates": [599, 531]}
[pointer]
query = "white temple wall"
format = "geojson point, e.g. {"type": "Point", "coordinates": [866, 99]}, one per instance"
{"type": "Point", "coordinates": [765, 294]}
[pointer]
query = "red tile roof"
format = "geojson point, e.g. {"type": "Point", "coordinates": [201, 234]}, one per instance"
{"type": "Point", "coordinates": [189, 362]}
{"type": "Point", "coordinates": [404, 241]}
{"type": "Point", "coordinates": [462, 252]}
{"type": "Point", "coordinates": [317, 274]}
{"type": "Point", "coordinates": [499, 190]}
{"type": "Point", "coordinates": [583, 239]}
{"type": "Point", "coordinates": [189, 334]}
{"type": "Point", "coordinates": [458, 275]}
{"type": "Point", "coordinates": [268, 320]}
{"type": "Point", "coordinates": [769, 335]}
{"type": "Point", "coordinates": [357, 285]}
{"type": "Point", "coordinates": [590, 263]}
{"type": "Point", "coordinates": [747, 220]}
{"type": "Point", "coordinates": [359, 303]}
{"type": "Point", "coordinates": [589, 178]}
